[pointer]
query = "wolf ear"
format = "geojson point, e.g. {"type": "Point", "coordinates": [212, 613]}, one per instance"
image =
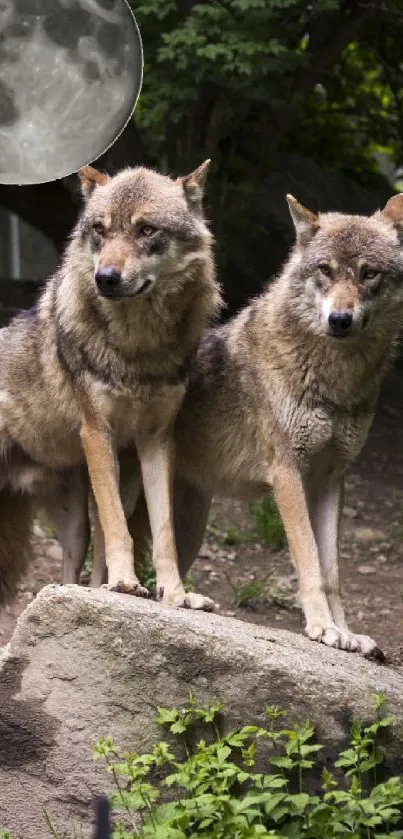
{"type": "Point", "coordinates": [194, 184]}
{"type": "Point", "coordinates": [89, 178]}
{"type": "Point", "coordinates": [306, 223]}
{"type": "Point", "coordinates": [393, 212]}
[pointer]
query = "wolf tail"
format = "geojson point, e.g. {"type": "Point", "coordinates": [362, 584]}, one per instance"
{"type": "Point", "coordinates": [16, 519]}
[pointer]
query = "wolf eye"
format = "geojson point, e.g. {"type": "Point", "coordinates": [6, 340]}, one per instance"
{"type": "Point", "coordinates": [325, 269]}
{"type": "Point", "coordinates": [369, 273]}
{"type": "Point", "coordinates": [146, 230]}
{"type": "Point", "coordinates": [98, 228]}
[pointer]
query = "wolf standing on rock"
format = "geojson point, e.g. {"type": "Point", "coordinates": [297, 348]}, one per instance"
{"type": "Point", "coordinates": [284, 396]}
{"type": "Point", "coordinates": [100, 363]}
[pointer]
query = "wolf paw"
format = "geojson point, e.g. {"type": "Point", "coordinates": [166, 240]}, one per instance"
{"type": "Point", "coordinates": [133, 588]}
{"type": "Point", "coordinates": [182, 600]}
{"type": "Point", "coordinates": [339, 639]}
{"type": "Point", "coordinates": [366, 646]}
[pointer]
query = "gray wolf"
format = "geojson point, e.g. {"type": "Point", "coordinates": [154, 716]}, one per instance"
{"type": "Point", "coordinates": [102, 362]}
{"type": "Point", "coordinates": [283, 396]}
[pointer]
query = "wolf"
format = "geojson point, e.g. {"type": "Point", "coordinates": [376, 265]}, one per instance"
{"type": "Point", "coordinates": [102, 362]}
{"type": "Point", "coordinates": [283, 396]}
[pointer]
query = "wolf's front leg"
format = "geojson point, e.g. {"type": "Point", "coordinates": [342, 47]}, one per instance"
{"type": "Point", "coordinates": [325, 506]}
{"type": "Point", "coordinates": [157, 460]}
{"type": "Point", "coordinates": [290, 496]}
{"type": "Point", "coordinates": [130, 489]}
{"type": "Point", "coordinates": [104, 470]}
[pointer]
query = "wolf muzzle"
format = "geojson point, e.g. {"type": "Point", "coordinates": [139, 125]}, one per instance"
{"type": "Point", "coordinates": [110, 283]}
{"type": "Point", "coordinates": [340, 323]}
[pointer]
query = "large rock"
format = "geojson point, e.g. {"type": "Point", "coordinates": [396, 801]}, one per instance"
{"type": "Point", "coordinates": [87, 663]}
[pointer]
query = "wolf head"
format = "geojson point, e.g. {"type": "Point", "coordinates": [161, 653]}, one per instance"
{"type": "Point", "coordinates": [348, 270]}
{"type": "Point", "coordinates": [139, 228]}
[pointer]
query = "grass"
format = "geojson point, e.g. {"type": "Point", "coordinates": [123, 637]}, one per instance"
{"type": "Point", "coordinates": [267, 527]}
{"type": "Point", "coordinates": [245, 594]}
{"type": "Point", "coordinates": [268, 524]}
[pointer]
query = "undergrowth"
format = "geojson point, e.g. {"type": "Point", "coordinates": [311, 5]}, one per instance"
{"type": "Point", "coordinates": [246, 594]}
{"type": "Point", "coordinates": [209, 786]}
{"type": "Point", "coordinates": [267, 523]}
{"type": "Point", "coordinates": [212, 785]}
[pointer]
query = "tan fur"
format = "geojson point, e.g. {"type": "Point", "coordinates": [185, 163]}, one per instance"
{"type": "Point", "coordinates": [275, 400]}
{"type": "Point", "coordinates": [102, 363]}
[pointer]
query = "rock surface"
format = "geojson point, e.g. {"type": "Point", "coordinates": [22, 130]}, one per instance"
{"type": "Point", "coordinates": [83, 663]}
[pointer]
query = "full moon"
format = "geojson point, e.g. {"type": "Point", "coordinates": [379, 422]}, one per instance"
{"type": "Point", "coordinates": [70, 75]}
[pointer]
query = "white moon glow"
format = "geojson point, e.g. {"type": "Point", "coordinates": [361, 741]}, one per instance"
{"type": "Point", "coordinates": [70, 75]}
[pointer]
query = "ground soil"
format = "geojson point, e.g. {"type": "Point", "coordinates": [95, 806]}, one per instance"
{"type": "Point", "coordinates": [233, 565]}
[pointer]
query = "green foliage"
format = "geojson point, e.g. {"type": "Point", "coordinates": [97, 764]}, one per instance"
{"type": "Point", "coordinates": [357, 109]}
{"type": "Point", "coordinates": [89, 559]}
{"type": "Point", "coordinates": [242, 80]}
{"type": "Point", "coordinates": [281, 73]}
{"type": "Point", "coordinates": [145, 569]}
{"type": "Point", "coordinates": [245, 593]}
{"type": "Point", "coordinates": [267, 523]}
{"type": "Point", "coordinates": [209, 786]}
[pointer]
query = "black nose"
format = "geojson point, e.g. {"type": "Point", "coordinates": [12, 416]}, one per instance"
{"type": "Point", "coordinates": [107, 280]}
{"type": "Point", "coordinates": [340, 323]}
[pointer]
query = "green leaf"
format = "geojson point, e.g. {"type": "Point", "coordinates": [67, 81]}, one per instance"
{"type": "Point", "coordinates": [282, 762]}
{"type": "Point", "coordinates": [178, 727]}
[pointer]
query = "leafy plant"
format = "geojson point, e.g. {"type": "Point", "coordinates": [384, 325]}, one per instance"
{"type": "Point", "coordinates": [245, 593]}
{"type": "Point", "coordinates": [268, 524]}
{"type": "Point", "coordinates": [211, 787]}
{"type": "Point", "coordinates": [145, 569]}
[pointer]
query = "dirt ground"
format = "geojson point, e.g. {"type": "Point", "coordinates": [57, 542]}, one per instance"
{"type": "Point", "coordinates": [233, 566]}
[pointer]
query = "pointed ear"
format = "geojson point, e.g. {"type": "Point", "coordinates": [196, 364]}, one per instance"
{"type": "Point", "coordinates": [194, 184]}
{"type": "Point", "coordinates": [306, 223]}
{"type": "Point", "coordinates": [90, 178]}
{"type": "Point", "coordinates": [393, 212]}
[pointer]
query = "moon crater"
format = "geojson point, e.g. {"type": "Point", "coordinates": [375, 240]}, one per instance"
{"type": "Point", "coordinates": [70, 76]}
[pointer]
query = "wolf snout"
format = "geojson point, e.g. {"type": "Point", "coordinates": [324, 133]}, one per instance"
{"type": "Point", "coordinates": [108, 279]}
{"type": "Point", "coordinates": [340, 323]}
{"type": "Point", "coordinates": [120, 284]}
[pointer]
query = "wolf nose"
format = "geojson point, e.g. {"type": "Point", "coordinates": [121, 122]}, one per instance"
{"type": "Point", "coordinates": [107, 280]}
{"type": "Point", "coordinates": [340, 323]}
